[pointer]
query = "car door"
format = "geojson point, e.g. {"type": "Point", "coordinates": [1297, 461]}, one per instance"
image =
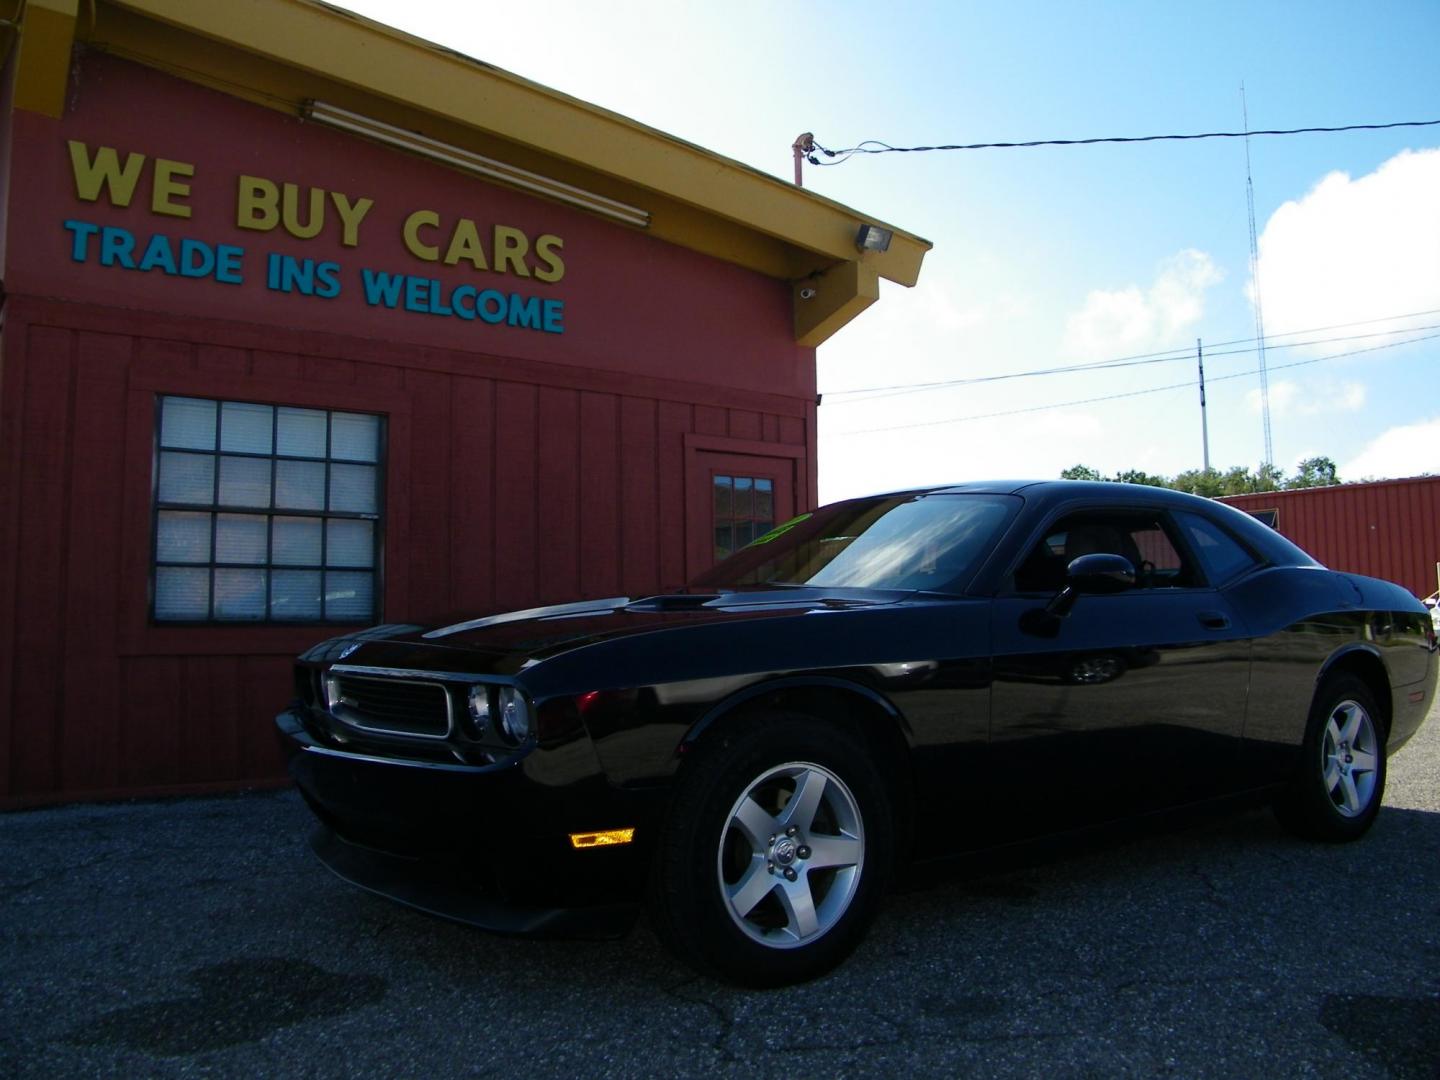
{"type": "Point", "coordinates": [1132, 702]}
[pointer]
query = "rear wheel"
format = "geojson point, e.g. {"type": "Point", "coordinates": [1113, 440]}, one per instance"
{"type": "Point", "coordinates": [1337, 791]}
{"type": "Point", "coordinates": [776, 852]}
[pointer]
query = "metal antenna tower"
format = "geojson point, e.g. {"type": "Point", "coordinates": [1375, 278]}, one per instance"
{"type": "Point", "coordinates": [1255, 285]}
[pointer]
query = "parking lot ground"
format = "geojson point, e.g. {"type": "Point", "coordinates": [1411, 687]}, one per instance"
{"type": "Point", "coordinates": [198, 937]}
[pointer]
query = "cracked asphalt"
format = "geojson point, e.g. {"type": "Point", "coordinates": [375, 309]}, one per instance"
{"type": "Point", "coordinates": [198, 937]}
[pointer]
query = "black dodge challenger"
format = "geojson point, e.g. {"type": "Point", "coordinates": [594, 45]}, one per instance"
{"type": "Point", "coordinates": [880, 683]}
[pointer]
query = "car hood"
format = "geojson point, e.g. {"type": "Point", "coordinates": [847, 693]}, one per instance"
{"type": "Point", "coordinates": [508, 643]}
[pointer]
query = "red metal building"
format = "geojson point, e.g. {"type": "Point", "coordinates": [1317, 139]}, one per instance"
{"type": "Point", "coordinates": [1388, 529]}
{"type": "Point", "coordinates": [310, 325]}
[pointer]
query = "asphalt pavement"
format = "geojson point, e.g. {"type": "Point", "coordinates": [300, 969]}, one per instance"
{"type": "Point", "coordinates": [198, 937]}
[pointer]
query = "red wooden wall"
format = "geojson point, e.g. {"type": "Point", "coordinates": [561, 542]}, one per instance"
{"type": "Point", "coordinates": [1389, 529]}
{"type": "Point", "coordinates": [508, 483]}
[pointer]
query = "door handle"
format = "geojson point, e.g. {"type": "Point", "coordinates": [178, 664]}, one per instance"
{"type": "Point", "coordinates": [1213, 620]}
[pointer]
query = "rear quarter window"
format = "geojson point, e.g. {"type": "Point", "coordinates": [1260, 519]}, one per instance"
{"type": "Point", "coordinates": [1222, 557]}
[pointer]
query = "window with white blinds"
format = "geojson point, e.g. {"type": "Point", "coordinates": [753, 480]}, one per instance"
{"type": "Point", "coordinates": [266, 513]}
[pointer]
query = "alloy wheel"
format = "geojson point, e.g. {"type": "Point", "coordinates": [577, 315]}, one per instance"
{"type": "Point", "coordinates": [791, 855]}
{"type": "Point", "coordinates": [1349, 758]}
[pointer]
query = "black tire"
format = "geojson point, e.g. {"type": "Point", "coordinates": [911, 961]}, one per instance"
{"type": "Point", "coordinates": [1338, 785]}
{"type": "Point", "coordinates": [712, 864]}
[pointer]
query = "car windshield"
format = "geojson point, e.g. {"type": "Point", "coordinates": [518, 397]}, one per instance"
{"type": "Point", "coordinates": [930, 542]}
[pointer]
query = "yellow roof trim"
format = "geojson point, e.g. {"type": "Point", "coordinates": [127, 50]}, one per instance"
{"type": "Point", "coordinates": [43, 41]}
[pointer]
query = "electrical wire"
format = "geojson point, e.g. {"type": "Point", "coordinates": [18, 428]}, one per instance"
{"type": "Point", "coordinates": [875, 146]}
{"type": "Point", "coordinates": [877, 393]}
{"type": "Point", "coordinates": [1132, 393]}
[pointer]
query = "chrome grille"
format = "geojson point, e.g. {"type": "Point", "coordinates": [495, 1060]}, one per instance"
{"type": "Point", "coordinates": [392, 706]}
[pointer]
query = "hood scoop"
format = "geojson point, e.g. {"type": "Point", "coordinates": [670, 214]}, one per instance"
{"type": "Point", "coordinates": [673, 602]}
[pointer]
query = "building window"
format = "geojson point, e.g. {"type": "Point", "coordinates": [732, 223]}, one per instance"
{"type": "Point", "coordinates": [744, 509]}
{"type": "Point", "coordinates": [266, 513]}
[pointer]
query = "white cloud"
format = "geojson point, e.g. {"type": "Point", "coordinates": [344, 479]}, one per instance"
{"type": "Point", "coordinates": [1126, 320]}
{"type": "Point", "coordinates": [1289, 398]}
{"type": "Point", "coordinates": [1355, 249]}
{"type": "Point", "coordinates": [1402, 451]}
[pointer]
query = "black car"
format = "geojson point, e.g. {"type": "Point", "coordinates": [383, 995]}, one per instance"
{"type": "Point", "coordinates": [878, 684]}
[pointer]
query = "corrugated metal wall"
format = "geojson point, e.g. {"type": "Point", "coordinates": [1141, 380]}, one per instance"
{"type": "Point", "coordinates": [509, 483]}
{"type": "Point", "coordinates": [1389, 529]}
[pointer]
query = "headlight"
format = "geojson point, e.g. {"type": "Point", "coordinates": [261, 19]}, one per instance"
{"type": "Point", "coordinates": [514, 715]}
{"type": "Point", "coordinates": [480, 708]}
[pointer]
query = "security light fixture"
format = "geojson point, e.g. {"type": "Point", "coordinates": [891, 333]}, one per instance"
{"type": "Point", "coordinates": [873, 238]}
{"type": "Point", "coordinates": [475, 164]}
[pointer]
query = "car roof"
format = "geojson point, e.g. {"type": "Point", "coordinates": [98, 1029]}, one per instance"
{"type": "Point", "coordinates": [1060, 489]}
{"type": "Point", "coordinates": [1043, 494]}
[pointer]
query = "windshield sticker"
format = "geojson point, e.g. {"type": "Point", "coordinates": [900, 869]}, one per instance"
{"type": "Point", "coordinates": [779, 530]}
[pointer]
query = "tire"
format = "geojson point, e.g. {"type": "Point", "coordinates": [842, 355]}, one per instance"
{"type": "Point", "coordinates": [1336, 791]}
{"type": "Point", "coordinates": [739, 888]}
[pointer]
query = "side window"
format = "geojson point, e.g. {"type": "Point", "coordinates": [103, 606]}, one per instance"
{"type": "Point", "coordinates": [1139, 536]}
{"type": "Point", "coordinates": [1221, 556]}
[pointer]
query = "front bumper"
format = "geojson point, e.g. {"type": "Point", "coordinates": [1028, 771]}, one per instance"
{"type": "Point", "coordinates": [439, 890]}
{"type": "Point", "coordinates": [484, 845]}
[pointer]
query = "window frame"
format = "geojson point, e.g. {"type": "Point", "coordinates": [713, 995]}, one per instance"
{"type": "Point", "coordinates": [269, 513]}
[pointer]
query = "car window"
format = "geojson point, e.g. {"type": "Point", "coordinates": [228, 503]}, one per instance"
{"type": "Point", "coordinates": [930, 542]}
{"type": "Point", "coordinates": [1221, 555]}
{"type": "Point", "coordinates": [1140, 536]}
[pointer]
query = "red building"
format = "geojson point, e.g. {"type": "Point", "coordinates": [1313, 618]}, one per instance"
{"type": "Point", "coordinates": [1388, 529]}
{"type": "Point", "coordinates": [310, 325]}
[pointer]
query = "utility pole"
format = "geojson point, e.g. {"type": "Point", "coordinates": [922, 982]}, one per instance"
{"type": "Point", "coordinates": [802, 146]}
{"type": "Point", "coordinates": [1255, 285]}
{"type": "Point", "coordinates": [1204, 423]}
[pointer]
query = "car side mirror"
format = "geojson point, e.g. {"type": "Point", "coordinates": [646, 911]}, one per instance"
{"type": "Point", "coordinates": [1097, 574]}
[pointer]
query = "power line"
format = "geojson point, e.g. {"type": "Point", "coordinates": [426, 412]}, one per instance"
{"type": "Point", "coordinates": [1141, 360]}
{"type": "Point", "coordinates": [1133, 393]}
{"type": "Point", "coordinates": [875, 146]}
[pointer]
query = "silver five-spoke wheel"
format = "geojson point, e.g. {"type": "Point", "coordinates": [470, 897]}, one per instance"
{"type": "Point", "coordinates": [1335, 793]}
{"type": "Point", "coordinates": [791, 854]}
{"type": "Point", "coordinates": [1349, 758]}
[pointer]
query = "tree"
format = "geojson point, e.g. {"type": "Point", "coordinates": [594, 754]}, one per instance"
{"type": "Point", "coordinates": [1269, 478]}
{"type": "Point", "coordinates": [1137, 476]}
{"type": "Point", "coordinates": [1237, 480]}
{"type": "Point", "coordinates": [1205, 482]}
{"type": "Point", "coordinates": [1314, 472]}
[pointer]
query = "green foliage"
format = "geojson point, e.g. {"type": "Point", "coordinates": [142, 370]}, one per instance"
{"type": "Point", "coordinates": [1314, 472]}
{"type": "Point", "coordinates": [1237, 480]}
{"type": "Point", "coordinates": [1135, 476]}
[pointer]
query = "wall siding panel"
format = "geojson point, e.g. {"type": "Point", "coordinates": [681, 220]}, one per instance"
{"type": "Point", "coordinates": [431, 493]}
{"type": "Point", "coordinates": [89, 730]}
{"type": "Point", "coordinates": [599, 496]}
{"type": "Point", "coordinates": [43, 505]}
{"type": "Point", "coordinates": [516, 476]}
{"type": "Point", "coordinates": [473, 525]}
{"type": "Point", "coordinates": [639, 495]}
{"type": "Point", "coordinates": [558, 508]}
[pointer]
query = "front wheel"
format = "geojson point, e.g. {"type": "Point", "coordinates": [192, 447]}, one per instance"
{"type": "Point", "coordinates": [776, 852]}
{"type": "Point", "coordinates": [1336, 793]}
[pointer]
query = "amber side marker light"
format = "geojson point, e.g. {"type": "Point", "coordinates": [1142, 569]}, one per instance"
{"type": "Point", "coordinates": [601, 839]}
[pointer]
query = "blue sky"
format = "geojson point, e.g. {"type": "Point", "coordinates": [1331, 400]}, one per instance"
{"type": "Point", "coordinates": [1054, 256]}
